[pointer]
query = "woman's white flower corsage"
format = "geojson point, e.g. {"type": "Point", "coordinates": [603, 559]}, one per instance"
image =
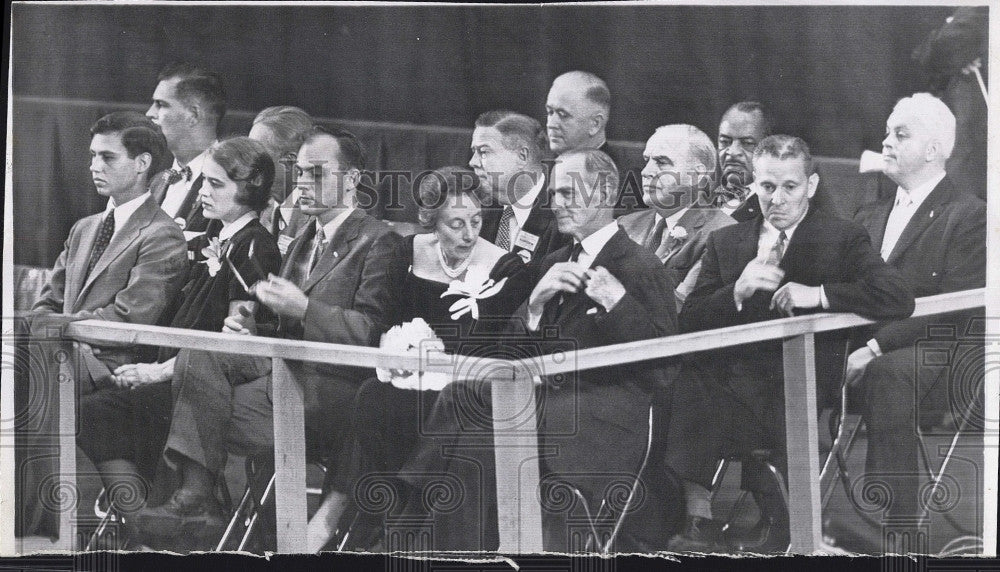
{"type": "Point", "coordinates": [213, 256]}
{"type": "Point", "coordinates": [476, 286]}
{"type": "Point", "coordinates": [414, 337]}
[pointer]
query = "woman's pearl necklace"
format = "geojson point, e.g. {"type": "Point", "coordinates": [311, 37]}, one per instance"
{"type": "Point", "coordinates": [458, 270]}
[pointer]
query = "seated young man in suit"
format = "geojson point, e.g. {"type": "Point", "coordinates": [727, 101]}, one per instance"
{"type": "Point", "coordinates": [795, 259]}
{"type": "Point", "coordinates": [680, 162]}
{"type": "Point", "coordinates": [507, 153]}
{"type": "Point", "coordinates": [934, 234]}
{"type": "Point", "coordinates": [223, 402]}
{"type": "Point", "coordinates": [122, 265]}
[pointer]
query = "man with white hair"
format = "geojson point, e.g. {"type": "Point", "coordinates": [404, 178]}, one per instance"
{"type": "Point", "coordinates": [934, 234]}
{"type": "Point", "coordinates": [680, 164]}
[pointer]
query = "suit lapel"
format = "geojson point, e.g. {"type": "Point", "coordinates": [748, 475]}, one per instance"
{"type": "Point", "coordinates": [340, 245]}
{"type": "Point", "coordinates": [691, 221]}
{"type": "Point", "coordinates": [922, 218]}
{"type": "Point", "coordinates": [121, 240]}
{"type": "Point", "coordinates": [295, 249]}
{"type": "Point", "coordinates": [746, 248]}
{"type": "Point", "coordinates": [876, 221]}
{"type": "Point", "coordinates": [77, 267]}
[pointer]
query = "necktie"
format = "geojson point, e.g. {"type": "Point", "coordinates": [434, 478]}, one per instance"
{"type": "Point", "coordinates": [175, 175]}
{"type": "Point", "coordinates": [503, 232]}
{"type": "Point", "coordinates": [104, 235]}
{"type": "Point", "coordinates": [778, 250]}
{"type": "Point", "coordinates": [574, 254]}
{"type": "Point", "coordinates": [656, 238]}
{"type": "Point", "coordinates": [319, 249]}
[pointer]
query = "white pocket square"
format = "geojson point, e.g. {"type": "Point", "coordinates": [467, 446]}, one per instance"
{"type": "Point", "coordinates": [592, 311]}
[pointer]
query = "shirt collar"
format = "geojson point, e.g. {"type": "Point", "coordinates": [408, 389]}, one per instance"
{"type": "Point", "coordinates": [522, 207]}
{"type": "Point", "coordinates": [230, 229]}
{"type": "Point", "coordinates": [594, 243]}
{"type": "Point", "coordinates": [126, 210]}
{"type": "Point", "coordinates": [674, 218]}
{"type": "Point", "coordinates": [920, 192]}
{"type": "Point", "coordinates": [770, 230]}
{"type": "Point", "coordinates": [195, 164]}
{"type": "Point", "coordinates": [332, 226]}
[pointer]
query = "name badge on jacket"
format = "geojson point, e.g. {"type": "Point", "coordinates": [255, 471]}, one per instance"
{"type": "Point", "coordinates": [525, 244]}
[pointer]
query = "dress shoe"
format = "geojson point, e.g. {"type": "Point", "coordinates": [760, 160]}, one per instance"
{"type": "Point", "coordinates": [699, 535]}
{"type": "Point", "coordinates": [768, 536]}
{"type": "Point", "coordinates": [187, 522]}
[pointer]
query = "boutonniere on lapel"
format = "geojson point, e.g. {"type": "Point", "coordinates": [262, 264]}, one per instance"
{"type": "Point", "coordinates": [476, 286]}
{"type": "Point", "coordinates": [213, 254]}
{"type": "Point", "coordinates": [677, 235]}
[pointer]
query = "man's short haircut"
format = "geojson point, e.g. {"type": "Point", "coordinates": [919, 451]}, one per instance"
{"type": "Point", "coordinates": [935, 116]}
{"type": "Point", "coordinates": [598, 163]}
{"type": "Point", "coordinates": [518, 130]}
{"type": "Point", "coordinates": [597, 90]}
{"type": "Point", "coordinates": [352, 154]}
{"type": "Point", "coordinates": [246, 160]}
{"type": "Point", "coordinates": [287, 128]}
{"type": "Point", "coordinates": [198, 83]}
{"type": "Point", "coordinates": [139, 135]}
{"type": "Point", "coordinates": [767, 121]}
{"type": "Point", "coordinates": [785, 147]}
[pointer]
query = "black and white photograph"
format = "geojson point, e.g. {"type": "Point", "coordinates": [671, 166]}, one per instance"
{"type": "Point", "coordinates": [484, 281]}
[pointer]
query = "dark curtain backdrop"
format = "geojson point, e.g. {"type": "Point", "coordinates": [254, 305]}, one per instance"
{"type": "Point", "coordinates": [831, 74]}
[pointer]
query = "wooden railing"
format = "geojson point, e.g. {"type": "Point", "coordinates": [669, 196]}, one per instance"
{"type": "Point", "coordinates": [513, 403]}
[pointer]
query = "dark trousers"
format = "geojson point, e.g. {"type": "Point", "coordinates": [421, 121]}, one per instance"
{"type": "Point", "coordinates": [222, 405]}
{"type": "Point", "coordinates": [901, 390]}
{"type": "Point", "coordinates": [718, 411]}
{"type": "Point", "coordinates": [452, 475]}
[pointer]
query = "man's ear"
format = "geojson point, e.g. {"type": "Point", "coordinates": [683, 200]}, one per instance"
{"type": "Point", "coordinates": [813, 183]}
{"type": "Point", "coordinates": [197, 113]}
{"type": "Point", "coordinates": [933, 150]}
{"type": "Point", "coordinates": [352, 178]}
{"type": "Point", "coordinates": [142, 162]}
{"type": "Point", "coordinates": [597, 122]}
{"type": "Point", "coordinates": [523, 154]}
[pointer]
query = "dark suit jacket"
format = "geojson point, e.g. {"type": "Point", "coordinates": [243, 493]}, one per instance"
{"type": "Point", "coordinates": [824, 250]}
{"type": "Point", "coordinates": [821, 201]}
{"type": "Point", "coordinates": [598, 418]}
{"type": "Point", "coordinates": [683, 255]}
{"type": "Point", "coordinates": [942, 249]}
{"type": "Point", "coordinates": [541, 223]}
{"type": "Point", "coordinates": [140, 273]}
{"type": "Point", "coordinates": [347, 293]}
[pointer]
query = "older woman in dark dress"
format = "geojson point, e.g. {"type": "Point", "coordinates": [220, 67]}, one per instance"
{"type": "Point", "coordinates": [123, 429]}
{"type": "Point", "coordinates": [426, 268]}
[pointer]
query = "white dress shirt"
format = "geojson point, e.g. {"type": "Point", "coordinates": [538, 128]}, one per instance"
{"type": "Point", "coordinates": [907, 203]}
{"type": "Point", "coordinates": [328, 231]}
{"type": "Point", "coordinates": [769, 235]}
{"type": "Point", "coordinates": [592, 246]}
{"type": "Point", "coordinates": [522, 210]}
{"type": "Point", "coordinates": [177, 192]}
{"type": "Point", "coordinates": [125, 211]}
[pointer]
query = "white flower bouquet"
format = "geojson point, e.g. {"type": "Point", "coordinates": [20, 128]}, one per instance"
{"type": "Point", "coordinates": [413, 337]}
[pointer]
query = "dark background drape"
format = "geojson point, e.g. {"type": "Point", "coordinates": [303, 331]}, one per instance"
{"type": "Point", "coordinates": [830, 74]}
